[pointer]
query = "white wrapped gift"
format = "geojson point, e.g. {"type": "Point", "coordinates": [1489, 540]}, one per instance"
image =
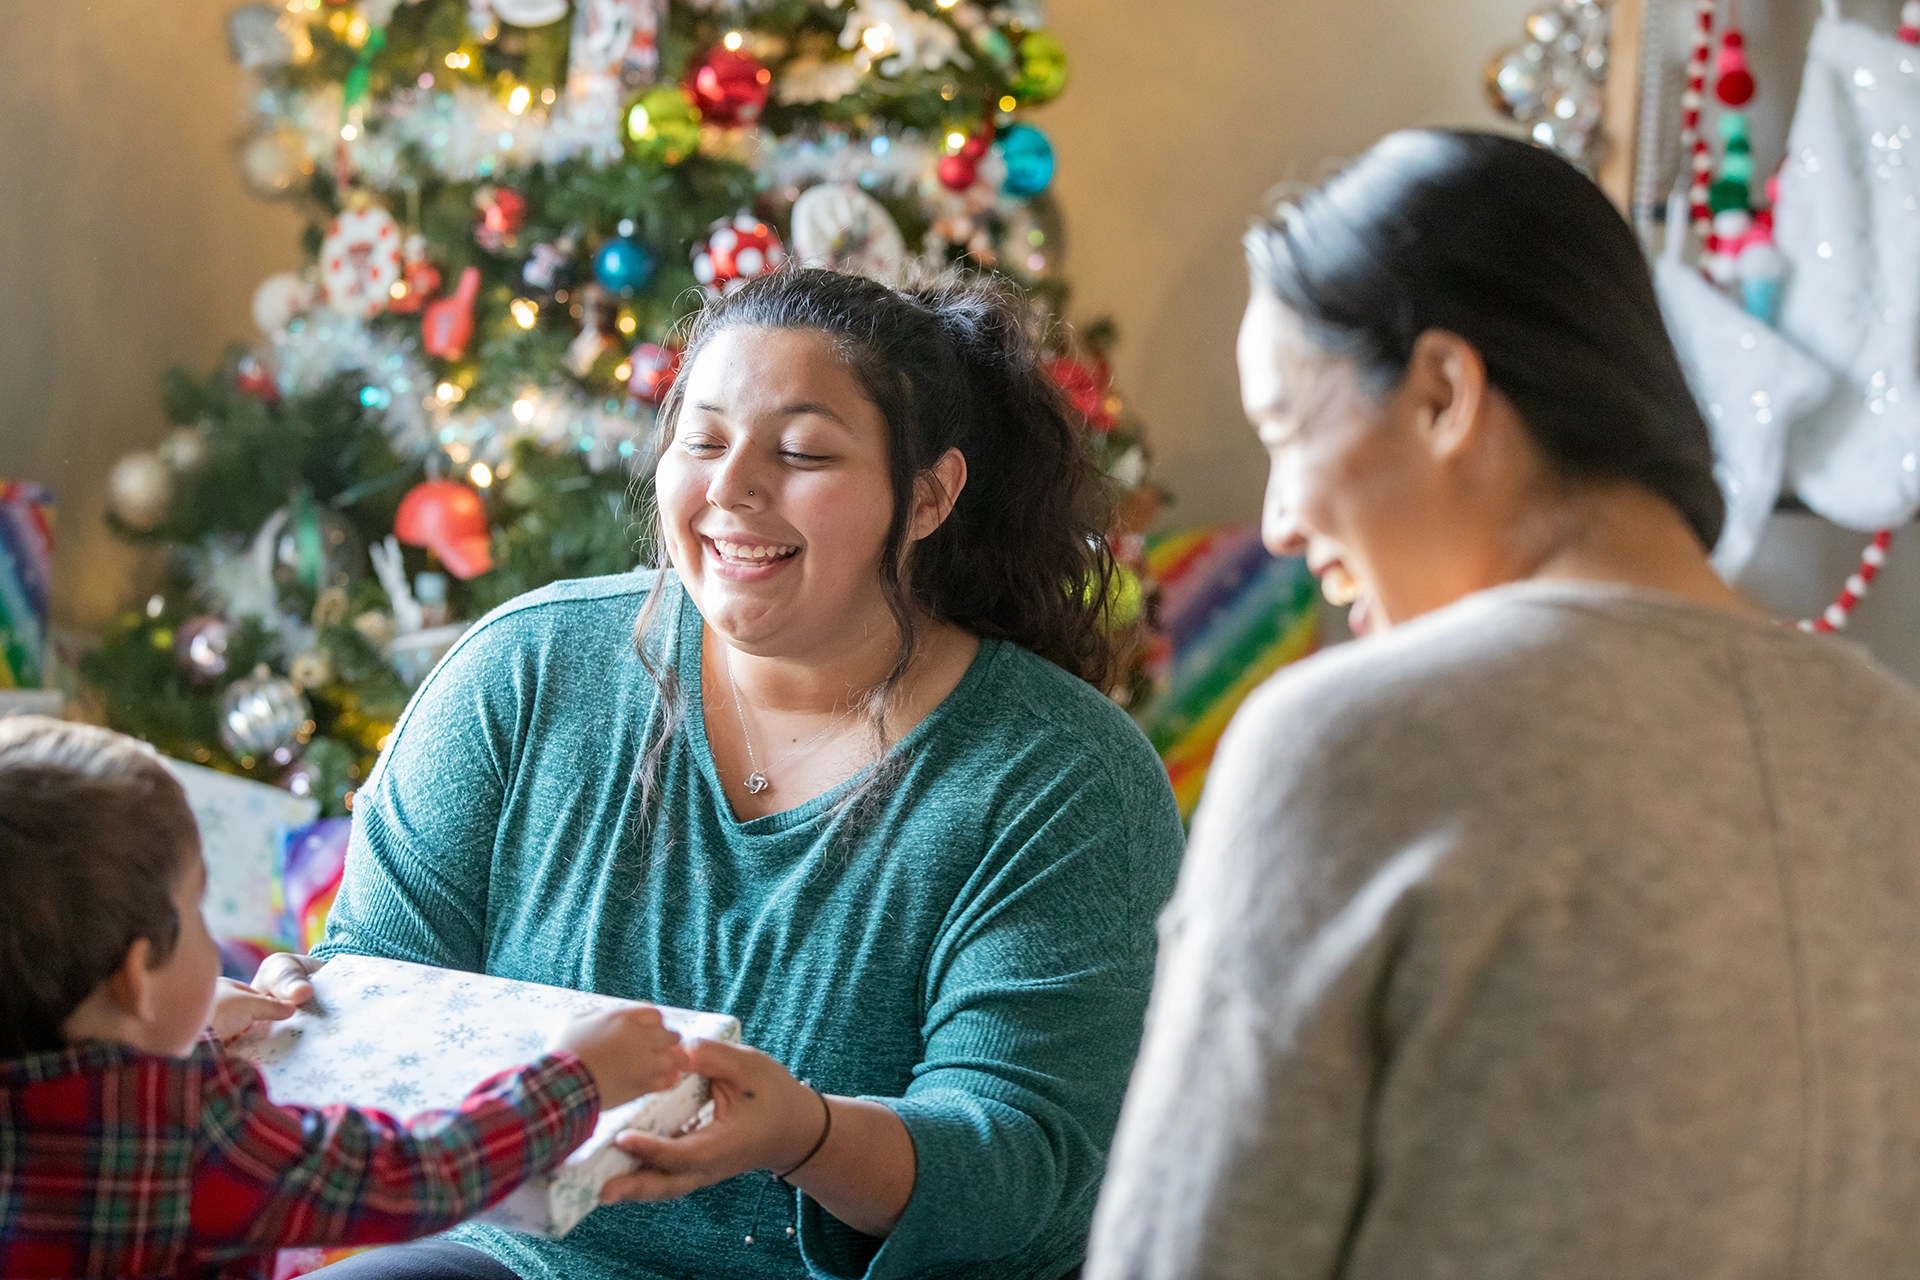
{"type": "Point", "coordinates": [406, 1038]}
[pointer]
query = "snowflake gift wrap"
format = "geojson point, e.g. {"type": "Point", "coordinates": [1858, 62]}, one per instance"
{"type": "Point", "coordinates": [406, 1038]}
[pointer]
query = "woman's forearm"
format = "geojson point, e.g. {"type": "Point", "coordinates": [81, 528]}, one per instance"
{"type": "Point", "coordinates": [863, 1175]}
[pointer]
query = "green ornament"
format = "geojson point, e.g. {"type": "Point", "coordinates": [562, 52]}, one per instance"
{"type": "Point", "coordinates": [360, 78]}
{"type": "Point", "coordinates": [1043, 69]}
{"type": "Point", "coordinates": [1726, 194]}
{"type": "Point", "coordinates": [662, 125]}
{"type": "Point", "coordinates": [1733, 127]}
{"type": "Point", "coordinates": [1737, 164]}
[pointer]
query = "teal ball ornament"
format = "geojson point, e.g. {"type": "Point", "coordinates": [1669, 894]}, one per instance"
{"type": "Point", "coordinates": [624, 266]}
{"type": "Point", "coordinates": [1028, 157]}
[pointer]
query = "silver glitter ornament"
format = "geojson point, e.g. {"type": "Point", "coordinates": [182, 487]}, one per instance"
{"type": "Point", "coordinates": [200, 647]}
{"type": "Point", "coordinates": [262, 716]}
{"type": "Point", "coordinates": [1515, 79]}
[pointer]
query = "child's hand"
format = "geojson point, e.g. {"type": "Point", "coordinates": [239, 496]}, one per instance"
{"type": "Point", "coordinates": [237, 1006]}
{"type": "Point", "coordinates": [629, 1051]}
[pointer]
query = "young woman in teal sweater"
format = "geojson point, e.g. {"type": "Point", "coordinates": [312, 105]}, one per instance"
{"type": "Point", "coordinates": [840, 768]}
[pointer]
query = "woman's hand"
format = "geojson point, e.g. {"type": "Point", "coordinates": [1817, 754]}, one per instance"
{"type": "Point", "coordinates": [762, 1119]}
{"type": "Point", "coordinates": [862, 1174]}
{"type": "Point", "coordinates": [237, 1006]}
{"type": "Point", "coordinates": [284, 976]}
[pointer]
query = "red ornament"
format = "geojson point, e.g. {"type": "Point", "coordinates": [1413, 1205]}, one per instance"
{"type": "Point", "coordinates": [449, 519]}
{"type": "Point", "coordinates": [419, 281]}
{"type": "Point", "coordinates": [499, 213]}
{"type": "Point", "coordinates": [979, 142]}
{"type": "Point", "coordinates": [1087, 384]}
{"type": "Point", "coordinates": [654, 369]}
{"type": "Point", "coordinates": [736, 250]}
{"type": "Point", "coordinates": [1734, 87]}
{"type": "Point", "coordinates": [729, 87]}
{"type": "Point", "coordinates": [447, 324]}
{"type": "Point", "coordinates": [252, 377]}
{"type": "Point", "coordinates": [958, 171]}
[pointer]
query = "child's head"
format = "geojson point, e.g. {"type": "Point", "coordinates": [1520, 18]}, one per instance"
{"type": "Point", "coordinates": [101, 935]}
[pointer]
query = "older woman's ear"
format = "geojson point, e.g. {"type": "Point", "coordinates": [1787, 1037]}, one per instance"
{"type": "Point", "coordinates": [1447, 384]}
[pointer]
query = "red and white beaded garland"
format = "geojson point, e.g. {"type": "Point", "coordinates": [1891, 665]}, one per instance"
{"type": "Point", "coordinates": [1837, 614]}
{"type": "Point", "coordinates": [1910, 22]}
{"type": "Point", "coordinates": [1692, 145]}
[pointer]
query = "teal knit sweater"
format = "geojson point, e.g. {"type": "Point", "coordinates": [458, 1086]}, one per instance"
{"type": "Point", "coordinates": [976, 956]}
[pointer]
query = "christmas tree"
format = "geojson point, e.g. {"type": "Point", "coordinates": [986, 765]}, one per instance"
{"type": "Point", "coordinates": [512, 203]}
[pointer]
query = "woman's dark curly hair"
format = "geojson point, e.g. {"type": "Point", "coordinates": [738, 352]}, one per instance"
{"type": "Point", "coordinates": [952, 363]}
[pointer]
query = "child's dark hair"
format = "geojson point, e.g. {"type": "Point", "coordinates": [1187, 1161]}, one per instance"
{"type": "Point", "coordinates": [94, 835]}
{"type": "Point", "coordinates": [953, 363]}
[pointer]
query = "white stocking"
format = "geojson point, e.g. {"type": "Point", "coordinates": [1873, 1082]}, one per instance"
{"type": "Point", "coordinates": [1848, 224]}
{"type": "Point", "coordinates": [1751, 383]}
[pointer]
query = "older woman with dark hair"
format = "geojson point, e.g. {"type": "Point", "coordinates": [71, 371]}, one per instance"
{"type": "Point", "coordinates": [1567, 925]}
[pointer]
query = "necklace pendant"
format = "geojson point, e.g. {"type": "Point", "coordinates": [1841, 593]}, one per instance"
{"type": "Point", "coordinates": [756, 783]}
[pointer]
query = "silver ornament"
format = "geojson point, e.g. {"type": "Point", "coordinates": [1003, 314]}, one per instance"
{"type": "Point", "coordinates": [263, 716]}
{"type": "Point", "coordinates": [1575, 109]}
{"type": "Point", "coordinates": [1515, 80]}
{"type": "Point", "coordinates": [256, 39]}
{"type": "Point", "coordinates": [200, 647]}
{"type": "Point", "coordinates": [185, 449]}
{"type": "Point", "coordinates": [139, 490]}
{"type": "Point", "coordinates": [274, 163]}
{"type": "Point", "coordinates": [312, 545]}
{"type": "Point", "coordinates": [1546, 24]}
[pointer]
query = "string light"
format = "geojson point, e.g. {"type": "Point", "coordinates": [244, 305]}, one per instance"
{"type": "Point", "coordinates": [878, 38]}
{"type": "Point", "coordinates": [517, 100]}
{"type": "Point", "coordinates": [627, 323]}
{"type": "Point", "coordinates": [623, 371]}
{"type": "Point", "coordinates": [733, 40]}
{"type": "Point", "coordinates": [638, 122]}
{"type": "Point", "coordinates": [946, 4]}
{"type": "Point", "coordinates": [956, 140]}
{"type": "Point", "coordinates": [397, 290]}
{"type": "Point", "coordinates": [525, 312]}
{"type": "Point", "coordinates": [1007, 103]}
{"type": "Point", "coordinates": [547, 95]}
{"type": "Point", "coordinates": [348, 132]}
{"type": "Point", "coordinates": [523, 410]}
{"type": "Point", "coordinates": [459, 61]}
{"type": "Point", "coordinates": [448, 393]}
{"type": "Point", "coordinates": [481, 475]}
{"type": "Point", "coordinates": [357, 31]}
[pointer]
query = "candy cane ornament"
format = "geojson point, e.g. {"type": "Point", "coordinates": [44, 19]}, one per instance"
{"type": "Point", "coordinates": [1840, 612]}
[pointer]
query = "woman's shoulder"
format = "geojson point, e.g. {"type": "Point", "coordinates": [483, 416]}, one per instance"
{"type": "Point", "coordinates": [1026, 709]}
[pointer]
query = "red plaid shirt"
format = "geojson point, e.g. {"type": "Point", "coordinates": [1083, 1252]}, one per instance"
{"type": "Point", "coordinates": [120, 1163]}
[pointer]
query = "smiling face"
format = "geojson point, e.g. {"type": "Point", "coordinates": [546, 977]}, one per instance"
{"type": "Point", "coordinates": [1363, 486]}
{"type": "Point", "coordinates": [774, 493]}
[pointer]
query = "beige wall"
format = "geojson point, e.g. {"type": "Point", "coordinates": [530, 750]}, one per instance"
{"type": "Point", "coordinates": [1179, 120]}
{"type": "Point", "coordinates": [127, 244]}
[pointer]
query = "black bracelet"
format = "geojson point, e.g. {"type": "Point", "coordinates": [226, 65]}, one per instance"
{"type": "Point", "coordinates": [828, 1108]}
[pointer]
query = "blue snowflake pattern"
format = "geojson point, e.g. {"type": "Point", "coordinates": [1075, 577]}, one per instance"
{"type": "Point", "coordinates": [400, 1093]}
{"type": "Point", "coordinates": [460, 1037]}
{"type": "Point", "coordinates": [459, 1002]}
{"type": "Point", "coordinates": [362, 1049]}
{"type": "Point", "coordinates": [407, 1061]}
{"type": "Point", "coordinates": [373, 989]}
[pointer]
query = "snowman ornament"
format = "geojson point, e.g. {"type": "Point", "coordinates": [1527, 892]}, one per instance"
{"type": "Point", "coordinates": [360, 258]}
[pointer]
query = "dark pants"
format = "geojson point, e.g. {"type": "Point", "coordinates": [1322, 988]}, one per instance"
{"type": "Point", "coordinates": [437, 1260]}
{"type": "Point", "coordinates": [421, 1260]}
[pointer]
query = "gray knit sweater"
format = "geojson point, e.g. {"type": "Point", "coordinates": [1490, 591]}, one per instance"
{"type": "Point", "coordinates": [1572, 931]}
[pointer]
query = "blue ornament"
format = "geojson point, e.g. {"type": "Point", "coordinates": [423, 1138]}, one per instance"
{"type": "Point", "coordinates": [624, 265]}
{"type": "Point", "coordinates": [1029, 160]}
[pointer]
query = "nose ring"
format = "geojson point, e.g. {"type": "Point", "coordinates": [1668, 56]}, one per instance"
{"type": "Point", "coordinates": [749, 493]}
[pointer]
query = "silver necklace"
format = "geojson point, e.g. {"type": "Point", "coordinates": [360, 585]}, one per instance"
{"type": "Point", "coordinates": [757, 779]}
